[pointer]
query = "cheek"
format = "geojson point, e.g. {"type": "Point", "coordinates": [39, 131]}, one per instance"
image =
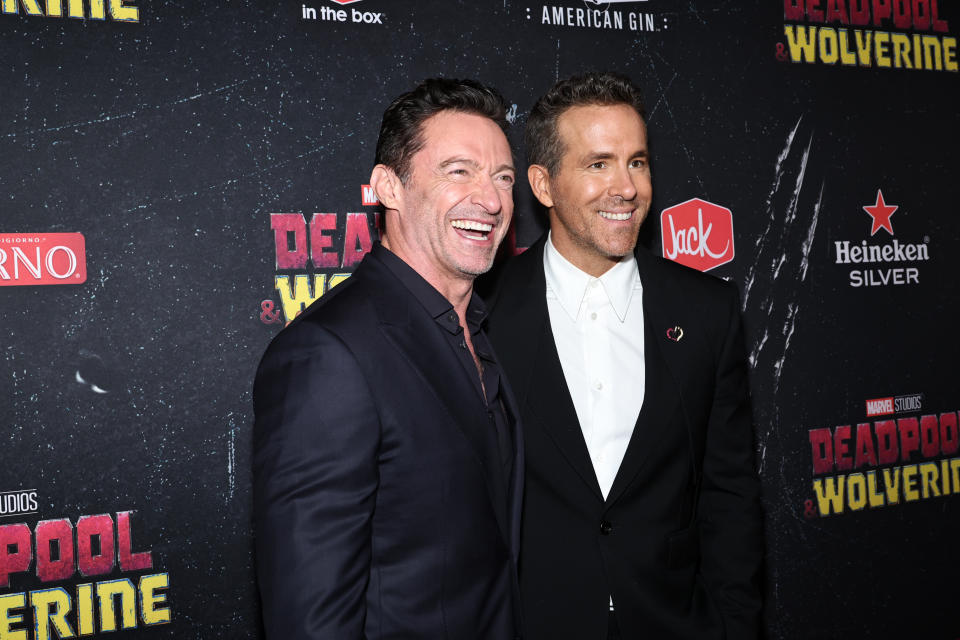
{"type": "Point", "coordinates": [645, 187]}
{"type": "Point", "coordinates": [506, 205]}
{"type": "Point", "coordinates": [590, 192]}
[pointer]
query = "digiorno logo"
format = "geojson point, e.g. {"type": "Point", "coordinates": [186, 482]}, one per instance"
{"type": "Point", "coordinates": [314, 254]}
{"type": "Point", "coordinates": [613, 15]}
{"type": "Point", "coordinates": [118, 10]}
{"type": "Point", "coordinates": [327, 13]}
{"type": "Point", "coordinates": [873, 251]}
{"type": "Point", "coordinates": [42, 258]}
{"type": "Point", "coordinates": [698, 234]}
{"type": "Point", "coordinates": [898, 34]}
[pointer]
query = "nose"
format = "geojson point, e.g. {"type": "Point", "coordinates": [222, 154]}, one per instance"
{"type": "Point", "coordinates": [487, 196]}
{"type": "Point", "coordinates": [623, 184]}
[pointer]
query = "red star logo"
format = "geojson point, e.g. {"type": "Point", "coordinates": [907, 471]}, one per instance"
{"type": "Point", "coordinates": [881, 212]}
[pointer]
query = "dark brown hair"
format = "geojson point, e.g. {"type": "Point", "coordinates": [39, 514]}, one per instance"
{"type": "Point", "coordinates": [401, 132]}
{"type": "Point", "coordinates": [603, 88]}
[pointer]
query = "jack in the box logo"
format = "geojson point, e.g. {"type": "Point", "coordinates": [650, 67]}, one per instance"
{"type": "Point", "coordinates": [698, 234]}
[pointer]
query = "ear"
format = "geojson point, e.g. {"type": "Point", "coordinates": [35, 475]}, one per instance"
{"type": "Point", "coordinates": [387, 186]}
{"type": "Point", "coordinates": [539, 179]}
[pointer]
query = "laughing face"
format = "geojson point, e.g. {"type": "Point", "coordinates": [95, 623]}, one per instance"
{"type": "Point", "coordinates": [457, 204]}
{"type": "Point", "coordinates": [601, 192]}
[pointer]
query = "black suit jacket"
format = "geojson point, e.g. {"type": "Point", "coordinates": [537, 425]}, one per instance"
{"type": "Point", "coordinates": [678, 541]}
{"type": "Point", "coordinates": [378, 491]}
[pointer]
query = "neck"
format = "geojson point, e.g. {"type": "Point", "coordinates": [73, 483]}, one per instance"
{"type": "Point", "coordinates": [590, 263]}
{"type": "Point", "coordinates": [457, 290]}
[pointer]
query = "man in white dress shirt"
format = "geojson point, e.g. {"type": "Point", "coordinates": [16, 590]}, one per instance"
{"type": "Point", "coordinates": [641, 512]}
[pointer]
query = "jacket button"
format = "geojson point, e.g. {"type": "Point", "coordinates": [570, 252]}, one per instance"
{"type": "Point", "coordinates": [605, 527]}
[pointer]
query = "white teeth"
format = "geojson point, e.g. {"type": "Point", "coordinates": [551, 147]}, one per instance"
{"type": "Point", "coordinates": [616, 216]}
{"type": "Point", "coordinates": [471, 225]}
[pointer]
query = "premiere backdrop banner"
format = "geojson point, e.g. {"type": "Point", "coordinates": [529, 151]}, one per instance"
{"type": "Point", "coordinates": [178, 179]}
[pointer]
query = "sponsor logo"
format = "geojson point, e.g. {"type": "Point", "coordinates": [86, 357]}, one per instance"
{"type": "Point", "coordinates": [886, 462]}
{"type": "Point", "coordinates": [917, 38]}
{"type": "Point", "coordinates": [18, 503]}
{"type": "Point", "coordinates": [865, 252]}
{"type": "Point", "coordinates": [894, 404]}
{"type": "Point", "coordinates": [42, 258]}
{"type": "Point", "coordinates": [117, 10]}
{"type": "Point", "coordinates": [880, 212]}
{"type": "Point", "coordinates": [327, 13]}
{"type": "Point", "coordinates": [599, 14]}
{"type": "Point", "coordinates": [698, 234]}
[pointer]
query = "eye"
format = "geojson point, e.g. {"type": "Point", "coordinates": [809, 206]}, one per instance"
{"type": "Point", "coordinates": [638, 163]}
{"type": "Point", "coordinates": [505, 179]}
{"type": "Point", "coordinates": [599, 164]}
{"type": "Point", "coordinates": [458, 172]}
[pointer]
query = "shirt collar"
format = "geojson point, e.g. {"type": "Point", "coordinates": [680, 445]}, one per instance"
{"type": "Point", "coordinates": [435, 304]}
{"type": "Point", "coordinates": [570, 284]}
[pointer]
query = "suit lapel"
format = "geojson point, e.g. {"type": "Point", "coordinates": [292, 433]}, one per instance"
{"type": "Point", "coordinates": [515, 490]}
{"type": "Point", "coordinates": [416, 336]}
{"type": "Point", "coordinates": [661, 398]}
{"type": "Point", "coordinates": [526, 347]}
{"type": "Point", "coordinates": [550, 400]}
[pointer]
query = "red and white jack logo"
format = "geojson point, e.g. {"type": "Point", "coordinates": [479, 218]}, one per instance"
{"type": "Point", "coordinates": [881, 212]}
{"type": "Point", "coordinates": [42, 258]}
{"type": "Point", "coordinates": [698, 234]}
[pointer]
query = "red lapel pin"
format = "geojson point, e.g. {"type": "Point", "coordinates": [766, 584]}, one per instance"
{"type": "Point", "coordinates": [675, 333]}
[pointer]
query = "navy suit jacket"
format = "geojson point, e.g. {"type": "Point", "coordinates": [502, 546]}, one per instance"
{"type": "Point", "coordinates": [376, 472]}
{"type": "Point", "coordinates": [678, 541]}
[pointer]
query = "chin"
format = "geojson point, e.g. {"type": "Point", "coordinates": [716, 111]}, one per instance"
{"type": "Point", "coordinates": [475, 268]}
{"type": "Point", "coordinates": [621, 251]}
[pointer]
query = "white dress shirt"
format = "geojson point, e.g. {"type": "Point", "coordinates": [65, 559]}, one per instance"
{"type": "Point", "coordinates": [597, 324]}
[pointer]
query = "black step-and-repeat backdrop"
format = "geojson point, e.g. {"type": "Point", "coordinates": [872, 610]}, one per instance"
{"type": "Point", "coordinates": [178, 179]}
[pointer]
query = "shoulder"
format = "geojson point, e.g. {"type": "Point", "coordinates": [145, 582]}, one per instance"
{"type": "Point", "coordinates": [696, 288]}
{"type": "Point", "coordinates": [512, 276]}
{"type": "Point", "coordinates": [343, 318]}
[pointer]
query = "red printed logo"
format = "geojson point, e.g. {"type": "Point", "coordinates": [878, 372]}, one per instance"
{"type": "Point", "coordinates": [42, 258]}
{"type": "Point", "coordinates": [698, 234]}
{"type": "Point", "coordinates": [880, 213]}
{"type": "Point", "coordinates": [367, 196]}
{"type": "Point", "coordinates": [879, 407]}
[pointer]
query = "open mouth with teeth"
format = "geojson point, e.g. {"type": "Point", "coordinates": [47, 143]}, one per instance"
{"type": "Point", "coordinates": [620, 217]}
{"type": "Point", "coordinates": [471, 229]}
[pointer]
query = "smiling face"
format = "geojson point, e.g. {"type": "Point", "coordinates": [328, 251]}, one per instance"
{"type": "Point", "coordinates": [601, 192]}
{"type": "Point", "coordinates": [457, 204]}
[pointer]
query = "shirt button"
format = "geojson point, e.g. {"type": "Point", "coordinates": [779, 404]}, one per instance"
{"type": "Point", "coordinates": [598, 385]}
{"type": "Point", "coordinates": [463, 344]}
{"type": "Point", "coordinates": [605, 527]}
{"type": "Point", "coordinates": [593, 316]}
{"type": "Point", "coordinates": [452, 317]}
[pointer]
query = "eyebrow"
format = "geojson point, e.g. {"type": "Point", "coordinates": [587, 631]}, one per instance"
{"type": "Point", "coordinates": [606, 155]}
{"type": "Point", "coordinates": [473, 163]}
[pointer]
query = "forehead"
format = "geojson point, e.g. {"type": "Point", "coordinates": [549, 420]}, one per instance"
{"type": "Point", "coordinates": [601, 127]}
{"type": "Point", "coordinates": [450, 134]}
